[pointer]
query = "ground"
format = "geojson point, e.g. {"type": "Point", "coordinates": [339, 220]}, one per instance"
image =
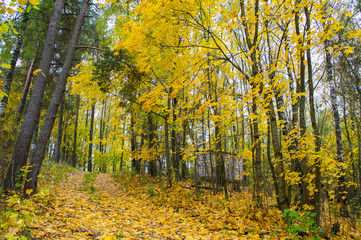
{"type": "Point", "coordinates": [73, 204]}
{"type": "Point", "coordinates": [94, 206]}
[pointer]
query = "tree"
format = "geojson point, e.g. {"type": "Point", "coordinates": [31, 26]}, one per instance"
{"type": "Point", "coordinates": [23, 141]}
{"type": "Point", "coordinates": [37, 156]}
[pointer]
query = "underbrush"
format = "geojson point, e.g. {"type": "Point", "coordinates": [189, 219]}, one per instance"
{"type": "Point", "coordinates": [236, 216]}
{"type": "Point", "coordinates": [18, 214]}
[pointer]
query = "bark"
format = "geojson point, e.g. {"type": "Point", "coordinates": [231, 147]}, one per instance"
{"type": "Point", "coordinates": [305, 198]}
{"type": "Point", "coordinates": [175, 143]}
{"type": "Point", "coordinates": [220, 167]}
{"type": "Point", "coordinates": [252, 43]}
{"type": "Point", "coordinates": [167, 154]}
{"type": "Point", "coordinates": [90, 152]}
{"type": "Point", "coordinates": [75, 132]}
{"type": "Point", "coordinates": [316, 133]}
{"type": "Point", "coordinates": [29, 77]}
{"type": "Point", "coordinates": [10, 74]}
{"type": "Point", "coordinates": [60, 133]}
{"type": "Point", "coordinates": [185, 172]}
{"type": "Point", "coordinates": [123, 142]}
{"type": "Point", "coordinates": [134, 147]}
{"type": "Point", "coordinates": [23, 141]}
{"type": "Point", "coordinates": [282, 199]}
{"type": "Point", "coordinates": [152, 142]}
{"type": "Point", "coordinates": [341, 189]}
{"type": "Point", "coordinates": [37, 156]}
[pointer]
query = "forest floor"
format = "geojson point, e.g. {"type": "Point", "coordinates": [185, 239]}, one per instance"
{"type": "Point", "coordinates": [80, 205]}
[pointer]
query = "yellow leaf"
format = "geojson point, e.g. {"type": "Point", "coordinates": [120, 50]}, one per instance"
{"type": "Point", "coordinates": [36, 72]}
{"type": "Point", "coordinates": [2, 94]}
{"type": "Point", "coordinates": [28, 191]}
{"type": "Point", "coordinates": [22, 2]}
{"type": "Point", "coordinates": [348, 50]}
{"type": "Point", "coordinates": [11, 11]}
{"type": "Point", "coordinates": [109, 238]}
{"type": "Point", "coordinates": [4, 28]}
{"type": "Point", "coordinates": [7, 66]}
{"type": "Point", "coordinates": [101, 5]}
{"type": "Point", "coordinates": [34, 2]}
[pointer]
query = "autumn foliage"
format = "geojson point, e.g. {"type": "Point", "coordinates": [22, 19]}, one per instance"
{"type": "Point", "coordinates": [217, 120]}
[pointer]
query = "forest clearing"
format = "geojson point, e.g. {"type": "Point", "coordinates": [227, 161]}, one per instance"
{"type": "Point", "coordinates": [180, 119]}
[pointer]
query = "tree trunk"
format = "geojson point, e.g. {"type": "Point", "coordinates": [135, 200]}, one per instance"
{"type": "Point", "coordinates": [305, 197]}
{"type": "Point", "coordinates": [37, 156]}
{"type": "Point", "coordinates": [175, 143]}
{"type": "Point", "coordinates": [185, 173]}
{"type": "Point", "coordinates": [152, 142]}
{"type": "Point", "coordinates": [23, 141]}
{"type": "Point", "coordinates": [316, 133]}
{"type": "Point", "coordinates": [10, 74]}
{"type": "Point", "coordinates": [29, 77]}
{"type": "Point", "coordinates": [282, 198]}
{"type": "Point", "coordinates": [167, 154]}
{"type": "Point", "coordinates": [341, 189]}
{"type": "Point", "coordinates": [60, 133]}
{"type": "Point", "coordinates": [75, 131]}
{"type": "Point", "coordinates": [133, 146]}
{"type": "Point", "coordinates": [90, 152]}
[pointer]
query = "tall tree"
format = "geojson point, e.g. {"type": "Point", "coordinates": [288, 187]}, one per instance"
{"type": "Point", "coordinates": [91, 132]}
{"type": "Point", "coordinates": [14, 59]}
{"type": "Point", "coordinates": [74, 157]}
{"type": "Point", "coordinates": [341, 188]}
{"type": "Point", "coordinates": [37, 156]}
{"type": "Point", "coordinates": [23, 141]}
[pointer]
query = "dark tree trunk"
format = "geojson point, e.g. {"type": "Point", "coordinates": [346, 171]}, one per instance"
{"type": "Point", "coordinates": [184, 144]}
{"type": "Point", "coordinates": [175, 143]}
{"type": "Point", "coordinates": [341, 191]}
{"type": "Point", "coordinates": [304, 192]}
{"type": "Point", "coordinates": [60, 133]}
{"type": "Point", "coordinates": [317, 164]}
{"type": "Point", "coordinates": [220, 167]}
{"type": "Point", "coordinates": [166, 144]}
{"type": "Point", "coordinates": [90, 153]}
{"type": "Point", "coordinates": [23, 141]}
{"type": "Point", "coordinates": [75, 131]}
{"type": "Point", "coordinates": [152, 142]}
{"type": "Point", "coordinates": [37, 156]}
{"type": "Point", "coordinates": [133, 145]}
{"type": "Point", "coordinates": [29, 77]}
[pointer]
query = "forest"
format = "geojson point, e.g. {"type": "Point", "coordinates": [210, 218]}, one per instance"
{"type": "Point", "coordinates": [180, 119]}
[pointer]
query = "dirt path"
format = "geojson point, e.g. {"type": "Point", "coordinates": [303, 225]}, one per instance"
{"type": "Point", "coordinates": [103, 210]}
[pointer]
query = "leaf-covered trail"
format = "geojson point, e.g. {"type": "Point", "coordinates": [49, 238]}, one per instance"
{"type": "Point", "coordinates": [77, 213]}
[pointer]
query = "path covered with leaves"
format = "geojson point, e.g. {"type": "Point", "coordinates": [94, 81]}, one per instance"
{"type": "Point", "coordinates": [72, 204]}
{"type": "Point", "coordinates": [97, 206]}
